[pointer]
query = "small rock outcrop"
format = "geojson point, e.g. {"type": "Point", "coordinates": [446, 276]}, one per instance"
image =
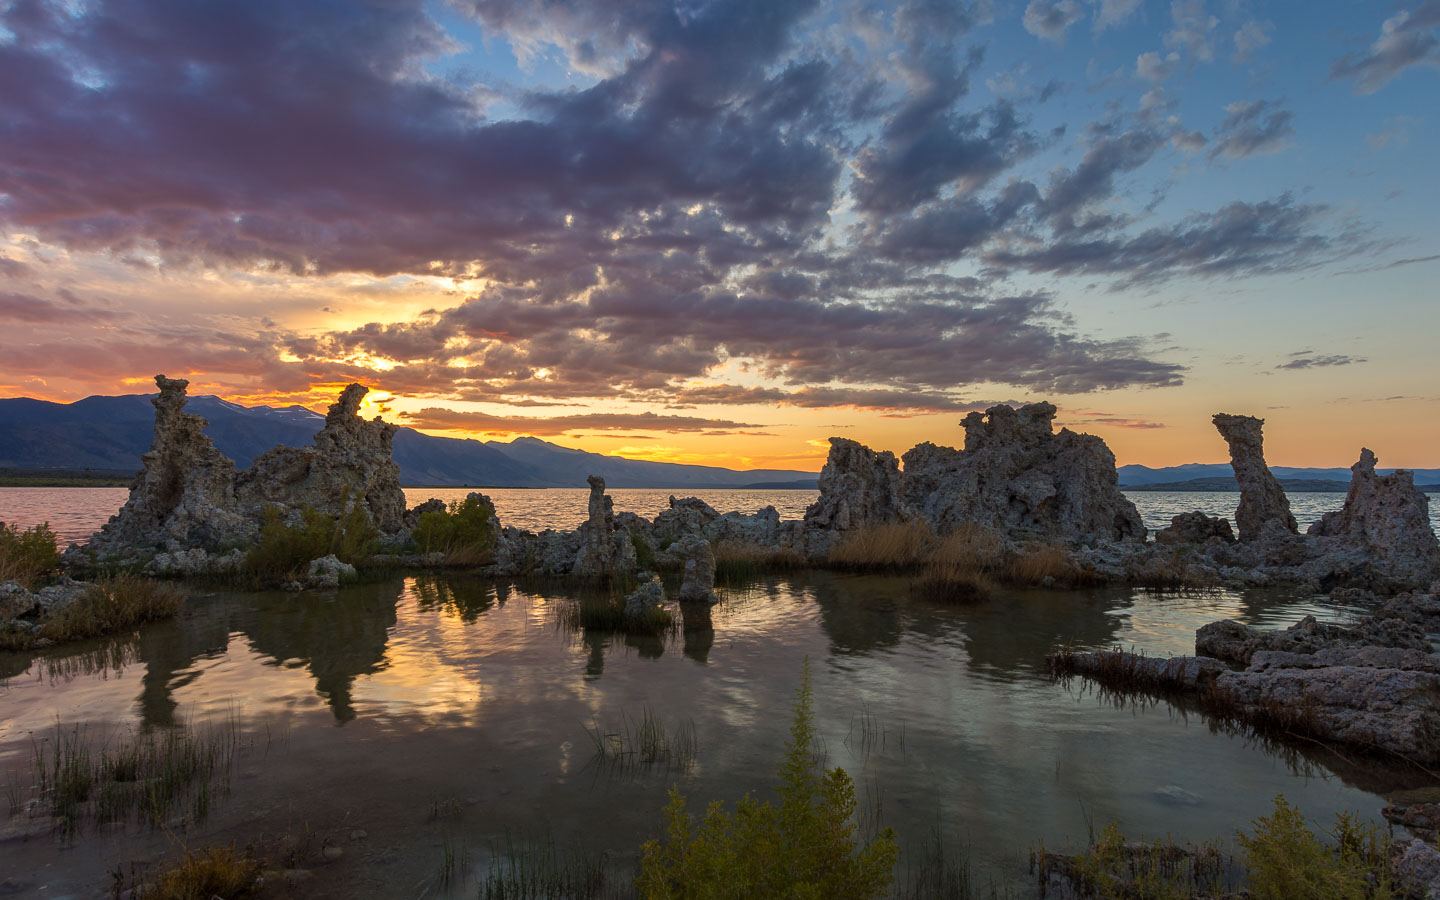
{"type": "Point", "coordinates": [604, 551]}
{"type": "Point", "coordinates": [1018, 477]}
{"type": "Point", "coordinates": [644, 600]}
{"type": "Point", "coordinates": [698, 585]}
{"type": "Point", "coordinates": [1262, 499]}
{"type": "Point", "coordinates": [859, 487]}
{"type": "Point", "coordinates": [1195, 528]}
{"type": "Point", "coordinates": [1387, 520]}
{"type": "Point", "coordinates": [1228, 639]}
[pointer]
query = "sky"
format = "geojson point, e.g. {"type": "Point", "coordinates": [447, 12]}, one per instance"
{"type": "Point", "coordinates": [722, 232]}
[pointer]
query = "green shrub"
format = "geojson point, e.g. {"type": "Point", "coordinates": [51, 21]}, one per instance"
{"type": "Point", "coordinates": [283, 551]}
{"type": "Point", "coordinates": [644, 554]}
{"type": "Point", "coordinates": [804, 848]}
{"type": "Point", "coordinates": [1286, 859]}
{"type": "Point", "coordinates": [28, 556]}
{"type": "Point", "coordinates": [465, 532]}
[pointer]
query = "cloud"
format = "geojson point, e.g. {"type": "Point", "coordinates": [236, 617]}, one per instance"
{"type": "Point", "coordinates": [1306, 359]}
{"type": "Point", "coordinates": [1154, 67]}
{"type": "Point", "coordinates": [1114, 13]}
{"type": "Point", "coordinates": [1050, 20]}
{"type": "Point", "coordinates": [1252, 129]}
{"type": "Point", "coordinates": [1406, 39]}
{"type": "Point", "coordinates": [1190, 29]}
{"type": "Point", "coordinates": [1250, 37]}
{"type": "Point", "coordinates": [1392, 265]}
{"type": "Point", "coordinates": [25, 308]}
{"type": "Point", "coordinates": [485, 423]}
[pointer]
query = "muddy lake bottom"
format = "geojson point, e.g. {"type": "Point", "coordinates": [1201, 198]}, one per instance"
{"type": "Point", "coordinates": [382, 728]}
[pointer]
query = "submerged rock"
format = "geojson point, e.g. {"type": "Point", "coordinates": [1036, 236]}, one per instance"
{"type": "Point", "coordinates": [1263, 503]}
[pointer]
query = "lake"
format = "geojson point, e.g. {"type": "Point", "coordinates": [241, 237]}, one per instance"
{"type": "Point", "coordinates": [76, 513]}
{"type": "Point", "coordinates": [383, 728]}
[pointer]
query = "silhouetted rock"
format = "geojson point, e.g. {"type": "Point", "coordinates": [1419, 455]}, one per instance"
{"type": "Point", "coordinates": [858, 488]}
{"type": "Point", "coordinates": [604, 552]}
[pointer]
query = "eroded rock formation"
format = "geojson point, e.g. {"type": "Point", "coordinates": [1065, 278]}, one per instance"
{"type": "Point", "coordinates": [1387, 520]}
{"type": "Point", "coordinates": [1195, 528]}
{"type": "Point", "coordinates": [604, 550]}
{"type": "Point", "coordinates": [1262, 499]}
{"type": "Point", "coordinates": [859, 487]}
{"type": "Point", "coordinates": [189, 509]}
{"type": "Point", "coordinates": [698, 585]}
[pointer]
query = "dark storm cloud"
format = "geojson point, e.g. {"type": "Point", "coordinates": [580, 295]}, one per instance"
{"type": "Point", "coordinates": [1406, 39]}
{"type": "Point", "coordinates": [637, 233]}
{"type": "Point", "coordinates": [1252, 129]}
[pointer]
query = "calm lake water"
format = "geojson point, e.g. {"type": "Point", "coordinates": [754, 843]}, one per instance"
{"type": "Point", "coordinates": [399, 719]}
{"type": "Point", "coordinates": [76, 513]}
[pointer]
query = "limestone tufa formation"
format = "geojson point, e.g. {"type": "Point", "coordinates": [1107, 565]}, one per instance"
{"type": "Point", "coordinates": [858, 488]}
{"type": "Point", "coordinates": [699, 583]}
{"type": "Point", "coordinates": [604, 551]}
{"type": "Point", "coordinates": [1387, 519]}
{"type": "Point", "coordinates": [188, 500]}
{"type": "Point", "coordinates": [1262, 499]}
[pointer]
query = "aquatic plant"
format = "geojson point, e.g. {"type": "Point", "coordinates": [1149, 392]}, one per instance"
{"type": "Point", "coordinates": [284, 550]}
{"type": "Point", "coordinates": [537, 870]}
{"type": "Point", "coordinates": [805, 847]}
{"type": "Point", "coordinates": [952, 582]}
{"type": "Point", "coordinates": [605, 611]}
{"type": "Point", "coordinates": [644, 553]}
{"type": "Point", "coordinates": [645, 742]}
{"type": "Point", "coordinates": [150, 775]}
{"type": "Point", "coordinates": [29, 556]}
{"type": "Point", "coordinates": [464, 532]}
{"type": "Point", "coordinates": [110, 604]}
{"type": "Point", "coordinates": [933, 873]}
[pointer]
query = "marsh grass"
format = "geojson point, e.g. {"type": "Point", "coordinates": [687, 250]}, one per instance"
{"type": "Point", "coordinates": [204, 875]}
{"type": "Point", "coordinates": [869, 734]}
{"type": "Point", "coordinates": [645, 742]}
{"type": "Point", "coordinates": [738, 562]}
{"type": "Point", "coordinates": [111, 604]}
{"type": "Point", "coordinates": [952, 582]}
{"type": "Point", "coordinates": [604, 611]}
{"type": "Point", "coordinates": [147, 776]}
{"type": "Point", "coordinates": [29, 556]}
{"type": "Point", "coordinates": [538, 870]}
{"type": "Point", "coordinates": [1120, 673]}
{"type": "Point", "coordinates": [934, 873]}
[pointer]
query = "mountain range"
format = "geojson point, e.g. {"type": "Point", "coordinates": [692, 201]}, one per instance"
{"type": "Point", "coordinates": [108, 434]}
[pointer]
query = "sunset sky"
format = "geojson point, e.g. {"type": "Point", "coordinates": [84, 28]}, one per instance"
{"type": "Point", "coordinates": [720, 232]}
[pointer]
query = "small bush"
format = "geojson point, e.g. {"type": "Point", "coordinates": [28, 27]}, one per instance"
{"type": "Point", "coordinates": [804, 848]}
{"type": "Point", "coordinates": [206, 874]}
{"type": "Point", "coordinates": [112, 603]}
{"type": "Point", "coordinates": [29, 557]}
{"type": "Point", "coordinates": [465, 532]}
{"type": "Point", "coordinates": [1286, 859]}
{"type": "Point", "coordinates": [1114, 868]}
{"type": "Point", "coordinates": [283, 551]}
{"type": "Point", "coordinates": [644, 553]}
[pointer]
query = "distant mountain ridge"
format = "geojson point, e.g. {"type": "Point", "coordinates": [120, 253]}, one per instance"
{"type": "Point", "coordinates": [1132, 476]}
{"type": "Point", "coordinates": [111, 433]}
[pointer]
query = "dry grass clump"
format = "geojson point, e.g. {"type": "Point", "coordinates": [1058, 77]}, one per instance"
{"type": "Point", "coordinates": [970, 547]}
{"type": "Point", "coordinates": [738, 561]}
{"type": "Point", "coordinates": [899, 546]}
{"type": "Point", "coordinates": [29, 557]}
{"type": "Point", "coordinates": [952, 582]}
{"type": "Point", "coordinates": [206, 874]}
{"type": "Point", "coordinates": [112, 603]}
{"type": "Point", "coordinates": [606, 612]}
